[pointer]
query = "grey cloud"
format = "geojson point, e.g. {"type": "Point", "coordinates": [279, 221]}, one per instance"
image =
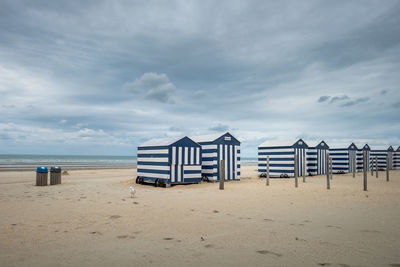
{"type": "Point", "coordinates": [153, 86]}
{"type": "Point", "coordinates": [383, 92]}
{"type": "Point", "coordinates": [396, 105]}
{"type": "Point", "coordinates": [219, 128]}
{"type": "Point", "coordinates": [338, 98]}
{"type": "Point", "coordinates": [323, 98]}
{"type": "Point", "coordinates": [356, 101]}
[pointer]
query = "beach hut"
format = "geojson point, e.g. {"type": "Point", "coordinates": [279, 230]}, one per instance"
{"type": "Point", "coordinates": [381, 154]}
{"type": "Point", "coordinates": [316, 159]}
{"type": "Point", "coordinates": [360, 157]}
{"type": "Point", "coordinates": [281, 154]}
{"type": "Point", "coordinates": [396, 159]}
{"type": "Point", "coordinates": [217, 147]}
{"type": "Point", "coordinates": [169, 161]}
{"type": "Point", "coordinates": [342, 158]}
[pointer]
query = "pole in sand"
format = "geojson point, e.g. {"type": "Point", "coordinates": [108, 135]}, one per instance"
{"type": "Point", "coordinates": [354, 167]}
{"type": "Point", "coordinates": [304, 167]}
{"type": "Point", "coordinates": [221, 174]}
{"type": "Point", "coordinates": [328, 183]}
{"type": "Point", "coordinates": [267, 170]}
{"type": "Point", "coordinates": [296, 182]}
{"type": "Point", "coordinates": [387, 168]}
{"type": "Point", "coordinates": [376, 166]}
{"type": "Point", "coordinates": [365, 170]}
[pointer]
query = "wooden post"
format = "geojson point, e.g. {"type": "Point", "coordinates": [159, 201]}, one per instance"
{"type": "Point", "coordinates": [330, 167]}
{"type": "Point", "coordinates": [376, 166]}
{"type": "Point", "coordinates": [296, 182]}
{"type": "Point", "coordinates": [267, 170]}
{"type": "Point", "coordinates": [354, 167]}
{"type": "Point", "coordinates": [328, 183]}
{"type": "Point", "coordinates": [221, 174]}
{"type": "Point", "coordinates": [365, 170]}
{"type": "Point", "coordinates": [371, 160]}
{"type": "Point", "coordinates": [387, 168]}
{"type": "Point", "coordinates": [304, 167]}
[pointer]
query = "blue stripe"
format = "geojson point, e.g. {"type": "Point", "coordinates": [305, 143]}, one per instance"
{"type": "Point", "coordinates": [192, 171]}
{"type": "Point", "coordinates": [153, 171]}
{"type": "Point", "coordinates": [153, 155]}
{"type": "Point", "coordinates": [276, 153]}
{"type": "Point", "coordinates": [152, 147]}
{"type": "Point", "coordinates": [153, 163]}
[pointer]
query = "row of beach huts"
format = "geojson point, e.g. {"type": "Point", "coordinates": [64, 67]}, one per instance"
{"type": "Point", "coordinates": [184, 160]}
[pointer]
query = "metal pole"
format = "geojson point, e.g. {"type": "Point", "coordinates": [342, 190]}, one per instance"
{"type": "Point", "coordinates": [304, 167]}
{"type": "Point", "coordinates": [328, 183]}
{"type": "Point", "coordinates": [221, 174]}
{"type": "Point", "coordinates": [354, 167]}
{"type": "Point", "coordinates": [387, 168]}
{"type": "Point", "coordinates": [365, 170]}
{"type": "Point", "coordinates": [371, 160]}
{"type": "Point", "coordinates": [267, 170]}
{"type": "Point", "coordinates": [296, 182]}
{"type": "Point", "coordinates": [376, 166]}
{"type": "Point", "coordinates": [330, 167]}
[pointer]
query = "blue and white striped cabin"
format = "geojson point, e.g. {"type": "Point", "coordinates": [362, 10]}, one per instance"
{"type": "Point", "coordinates": [342, 158]}
{"type": "Point", "coordinates": [169, 161]}
{"type": "Point", "coordinates": [381, 155]}
{"type": "Point", "coordinates": [217, 147]}
{"type": "Point", "coordinates": [316, 159]}
{"type": "Point", "coordinates": [360, 158]}
{"type": "Point", "coordinates": [281, 157]}
{"type": "Point", "coordinates": [396, 159]}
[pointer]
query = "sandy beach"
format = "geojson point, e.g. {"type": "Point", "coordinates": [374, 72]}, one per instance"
{"type": "Point", "coordinates": [91, 220]}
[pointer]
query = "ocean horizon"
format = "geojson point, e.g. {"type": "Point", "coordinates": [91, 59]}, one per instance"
{"type": "Point", "coordinates": [31, 161]}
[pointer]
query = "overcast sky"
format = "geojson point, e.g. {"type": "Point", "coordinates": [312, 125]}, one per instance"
{"type": "Point", "coordinates": [93, 77]}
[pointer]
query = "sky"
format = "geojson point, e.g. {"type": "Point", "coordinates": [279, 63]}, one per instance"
{"type": "Point", "coordinates": [101, 77]}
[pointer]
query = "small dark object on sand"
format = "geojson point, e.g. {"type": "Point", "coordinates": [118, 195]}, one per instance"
{"type": "Point", "coordinates": [65, 173]}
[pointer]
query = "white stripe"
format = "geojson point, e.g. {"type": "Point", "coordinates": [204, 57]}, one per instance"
{"type": "Point", "coordinates": [209, 146]}
{"type": "Point", "coordinates": [209, 155]}
{"type": "Point", "coordinates": [179, 173]}
{"type": "Point", "coordinates": [197, 155]}
{"type": "Point", "coordinates": [209, 163]}
{"type": "Point", "coordinates": [179, 155]}
{"type": "Point", "coordinates": [275, 149]}
{"type": "Point", "coordinates": [193, 175]}
{"type": "Point", "coordinates": [193, 167]}
{"type": "Point", "coordinates": [153, 167]}
{"type": "Point", "coordinates": [281, 168]}
{"type": "Point", "coordinates": [186, 156]}
{"type": "Point", "coordinates": [153, 151]}
{"type": "Point", "coordinates": [155, 175]}
{"type": "Point", "coordinates": [173, 173]}
{"type": "Point", "coordinates": [153, 159]}
{"type": "Point", "coordinates": [192, 155]}
{"type": "Point", "coordinates": [173, 155]}
{"type": "Point", "coordinates": [207, 171]}
{"type": "Point", "coordinates": [231, 162]}
{"type": "Point", "coordinates": [226, 161]}
{"type": "Point", "coordinates": [235, 163]}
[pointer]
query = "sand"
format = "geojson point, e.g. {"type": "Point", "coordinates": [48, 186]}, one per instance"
{"type": "Point", "coordinates": [91, 220]}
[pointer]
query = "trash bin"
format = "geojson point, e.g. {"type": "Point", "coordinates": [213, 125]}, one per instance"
{"type": "Point", "coordinates": [55, 175]}
{"type": "Point", "coordinates": [41, 176]}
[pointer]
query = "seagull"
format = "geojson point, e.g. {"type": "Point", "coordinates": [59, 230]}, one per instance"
{"type": "Point", "coordinates": [133, 191]}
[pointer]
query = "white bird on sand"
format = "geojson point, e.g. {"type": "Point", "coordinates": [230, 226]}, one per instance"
{"type": "Point", "coordinates": [133, 191]}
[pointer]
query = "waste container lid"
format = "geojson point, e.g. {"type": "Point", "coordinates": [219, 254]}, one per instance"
{"type": "Point", "coordinates": [55, 169]}
{"type": "Point", "coordinates": [42, 170]}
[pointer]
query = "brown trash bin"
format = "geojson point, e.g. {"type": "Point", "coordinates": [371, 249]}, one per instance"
{"type": "Point", "coordinates": [41, 176]}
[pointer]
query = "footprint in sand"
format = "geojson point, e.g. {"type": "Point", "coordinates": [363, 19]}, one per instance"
{"type": "Point", "coordinates": [215, 211]}
{"type": "Point", "coordinates": [122, 236]}
{"type": "Point", "coordinates": [95, 233]}
{"type": "Point", "coordinates": [268, 220]}
{"type": "Point", "coordinates": [333, 226]}
{"type": "Point", "coordinates": [168, 238]}
{"type": "Point", "coordinates": [135, 202]}
{"type": "Point", "coordinates": [395, 264]}
{"type": "Point", "coordinates": [209, 246]}
{"type": "Point", "coordinates": [115, 216]}
{"type": "Point", "coordinates": [265, 252]}
{"type": "Point", "coordinates": [371, 231]}
{"type": "Point", "coordinates": [324, 264]}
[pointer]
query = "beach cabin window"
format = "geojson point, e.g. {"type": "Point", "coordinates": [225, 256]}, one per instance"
{"type": "Point", "coordinates": [322, 144]}
{"type": "Point", "coordinates": [300, 142]}
{"type": "Point", "coordinates": [227, 138]}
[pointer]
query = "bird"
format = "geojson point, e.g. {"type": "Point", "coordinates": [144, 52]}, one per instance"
{"type": "Point", "coordinates": [133, 191]}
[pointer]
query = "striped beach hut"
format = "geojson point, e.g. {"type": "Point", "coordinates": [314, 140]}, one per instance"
{"type": "Point", "coordinates": [316, 159]}
{"type": "Point", "coordinates": [360, 157]}
{"type": "Point", "coordinates": [381, 154]}
{"type": "Point", "coordinates": [217, 147]}
{"type": "Point", "coordinates": [281, 155]}
{"type": "Point", "coordinates": [342, 158]}
{"type": "Point", "coordinates": [169, 161]}
{"type": "Point", "coordinates": [396, 159]}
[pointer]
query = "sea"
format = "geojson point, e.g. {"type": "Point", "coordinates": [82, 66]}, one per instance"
{"type": "Point", "coordinates": [75, 162]}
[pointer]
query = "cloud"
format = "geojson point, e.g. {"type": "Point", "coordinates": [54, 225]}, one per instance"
{"type": "Point", "coordinates": [396, 105]}
{"type": "Point", "coordinates": [153, 86]}
{"type": "Point", "coordinates": [383, 92]}
{"type": "Point", "coordinates": [356, 101]}
{"type": "Point", "coordinates": [323, 98]}
{"type": "Point", "coordinates": [338, 98]}
{"type": "Point", "coordinates": [219, 128]}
